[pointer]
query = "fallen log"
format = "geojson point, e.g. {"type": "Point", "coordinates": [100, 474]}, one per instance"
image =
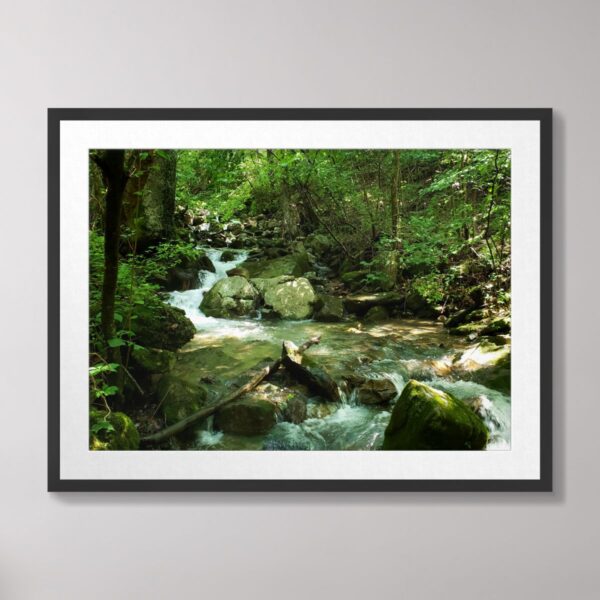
{"type": "Point", "coordinates": [317, 380]}
{"type": "Point", "coordinates": [260, 375]}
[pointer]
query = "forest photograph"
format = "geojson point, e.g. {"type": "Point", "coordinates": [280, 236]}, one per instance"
{"type": "Point", "coordinates": [299, 299]}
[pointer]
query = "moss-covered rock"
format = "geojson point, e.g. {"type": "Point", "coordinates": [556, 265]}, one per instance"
{"type": "Point", "coordinates": [153, 360]}
{"type": "Point", "coordinates": [293, 264]}
{"type": "Point", "coordinates": [329, 309]}
{"type": "Point", "coordinates": [377, 313]}
{"type": "Point", "coordinates": [159, 325]}
{"type": "Point", "coordinates": [115, 431]}
{"type": "Point", "coordinates": [497, 326]}
{"type": "Point", "coordinates": [467, 316]}
{"type": "Point", "coordinates": [424, 418]}
{"type": "Point", "coordinates": [247, 417]}
{"type": "Point", "coordinates": [230, 297]}
{"type": "Point", "coordinates": [467, 329]}
{"type": "Point", "coordinates": [228, 255]}
{"type": "Point", "coordinates": [179, 398]}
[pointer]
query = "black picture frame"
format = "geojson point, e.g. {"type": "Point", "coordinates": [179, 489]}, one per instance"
{"type": "Point", "coordinates": [58, 115]}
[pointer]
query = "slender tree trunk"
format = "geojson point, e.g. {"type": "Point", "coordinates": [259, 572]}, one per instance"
{"type": "Point", "coordinates": [111, 162]}
{"type": "Point", "coordinates": [394, 195]}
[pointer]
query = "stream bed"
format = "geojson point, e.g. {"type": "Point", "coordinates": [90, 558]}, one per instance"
{"type": "Point", "coordinates": [397, 349]}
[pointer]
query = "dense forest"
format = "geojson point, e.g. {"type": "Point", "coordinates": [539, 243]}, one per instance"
{"type": "Point", "coordinates": [299, 299]}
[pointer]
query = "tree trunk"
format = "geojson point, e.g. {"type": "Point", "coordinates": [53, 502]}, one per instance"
{"type": "Point", "coordinates": [156, 213]}
{"type": "Point", "coordinates": [111, 162]}
{"type": "Point", "coordinates": [394, 195]}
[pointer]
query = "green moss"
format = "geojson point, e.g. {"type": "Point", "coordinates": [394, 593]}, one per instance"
{"type": "Point", "coordinates": [120, 434]}
{"type": "Point", "coordinates": [161, 326]}
{"type": "Point", "coordinates": [467, 329]}
{"type": "Point", "coordinates": [179, 399]}
{"type": "Point", "coordinates": [230, 297]}
{"type": "Point", "coordinates": [153, 360]}
{"type": "Point", "coordinates": [424, 418]}
{"type": "Point", "coordinates": [497, 326]}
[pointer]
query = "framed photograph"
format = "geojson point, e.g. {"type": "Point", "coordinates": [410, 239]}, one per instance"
{"type": "Point", "coordinates": [300, 299]}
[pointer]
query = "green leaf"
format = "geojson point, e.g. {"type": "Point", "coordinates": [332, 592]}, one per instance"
{"type": "Point", "coordinates": [103, 368]}
{"type": "Point", "coordinates": [116, 342]}
{"type": "Point", "coordinates": [101, 426]}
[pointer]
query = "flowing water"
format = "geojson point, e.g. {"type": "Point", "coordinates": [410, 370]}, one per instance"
{"type": "Point", "coordinates": [397, 349]}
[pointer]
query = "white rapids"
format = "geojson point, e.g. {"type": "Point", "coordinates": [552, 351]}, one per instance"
{"type": "Point", "coordinates": [190, 300]}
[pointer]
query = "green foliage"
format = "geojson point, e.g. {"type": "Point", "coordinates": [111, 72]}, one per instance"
{"type": "Point", "coordinates": [432, 287]}
{"type": "Point", "coordinates": [155, 263]}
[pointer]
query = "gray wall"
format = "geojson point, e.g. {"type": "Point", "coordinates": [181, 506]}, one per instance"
{"type": "Point", "coordinates": [192, 53]}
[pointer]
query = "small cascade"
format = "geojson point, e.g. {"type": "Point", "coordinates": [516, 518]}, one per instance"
{"type": "Point", "coordinates": [190, 300]}
{"type": "Point", "coordinates": [208, 436]}
{"type": "Point", "coordinates": [398, 381]}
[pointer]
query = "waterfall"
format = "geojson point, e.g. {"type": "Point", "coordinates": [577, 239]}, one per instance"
{"type": "Point", "coordinates": [190, 300]}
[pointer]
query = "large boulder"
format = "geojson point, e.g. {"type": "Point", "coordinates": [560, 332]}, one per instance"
{"type": "Point", "coordinates": [247, 417]}
{"type": "Point", "coordinates": [115, 431]}
{"type": "Point", "coordinates": [329, 308]}
{"type": "Point", "coordinates": [293, 264]}
{"type": "Point", "coordinates": [159, 325]}
{"type": "Point", "coordinates": [287, 297]}
{"type": "Point", "coordinates": [424, 418]}
{"type": "Point", "coordinates": [230, 297]}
